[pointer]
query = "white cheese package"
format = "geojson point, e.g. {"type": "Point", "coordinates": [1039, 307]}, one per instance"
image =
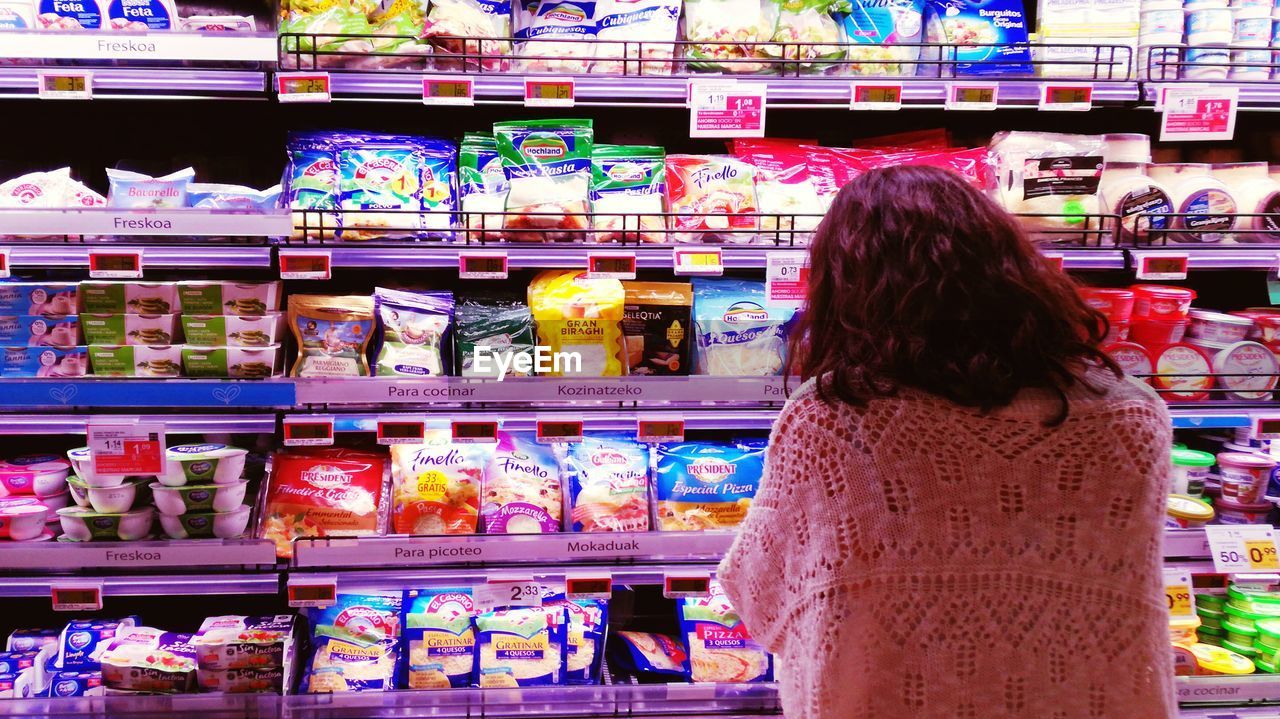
{"type": "Point", "coordinates": [237, 642]}
{"type": "Point", "coordinates": [136, 191]}
{"type": "Point", "coordinates": [561, 38]}
{"type": "Point", "coordinates": [548, 169]}
{"type": "Point", "coordinates": [738, 333]}
{"type": "Point", "coordinates": [482, 186]}
{"type": "Point", "coordinates": [469, 27]}
{"type": "Point", "coordinates": [82, 641]}
{"type": "Point", "coordinates": [520, 647]}
{"type": "Point", "coordinates": [637, 30]}
{"type": "Point", "coordinates": [439, 638]}
{"type": "Point", "coordinates": [721, 648]}
{"type": "Point", "coordinates": [413, 332]}
{"type": "Point", "coordinates": [1051, 178]}
{"type": "Point", "coordinates": [522, 489]}
{"type": "Point", "coordinates": [788, 199]}
{"type": "Point", "coordinates": [627, 186]}
{"type": "Point", "coordinates": [144, 659]}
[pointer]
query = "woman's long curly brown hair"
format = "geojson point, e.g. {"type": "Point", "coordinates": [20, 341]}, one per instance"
{"type": "Point", "coordinates": [919, 280]}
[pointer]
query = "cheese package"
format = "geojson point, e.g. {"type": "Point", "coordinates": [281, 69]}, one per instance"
{"type": "Point", "coordinates": [706, 485]}
{"type": "Point", "coordinates": [738, 333]}
{"type": "Point", "coordinates": [577, 315]}
{"type": "Point", "coordinates": [312, 185]}
{"type": "Point", "coordinates": [520, 647]}
{"type": "Point", "coordinates": [332, 334]}
{"type": "Point", "coordinates": [646, 653]}
{"type": "Point", "coordinates": [548, 169]}
{"type": "Point", "coordinates": [354, 644]}
{"type": "Point", "coordinates": [586, 623]}
{"type": "Point", "coordinates": [711, 199]}
{"type": "Point", "coordinates": [81, 643]}
{"type": "Point", "coordinates": [627, 187]}
{"type": "Point", "coordinates": [657, 327]}
{"type": "Point", "coordinates": [522, 489]}
{"type": "Point", "coordinates": [236, 642]}
{"type": "Point", "coordinates": [609, 484]}
{"type": "Point", "coordinates": [721, 649]}
{"type": "Point", "coordinates": [482, 186]}
{"type": "Point", "coordinates": [436, 485]}
{"type": "Point", "coordinates": [414, 332]}
{"type": "Point", "coordinates": [324, 492]}
{"type": "Point", "coordinates": [143, 659]}
{"type": "Point", "coordinates": [439, 639]}
{"type": "Point", "coordinates": [502, 325]}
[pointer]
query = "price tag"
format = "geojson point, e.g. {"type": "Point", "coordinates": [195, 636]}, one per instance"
{"type": "Point", "coordinates": [1266, 427]}
{"type": "Point", "coordinates": [653, 431]}
{"type": "Point", "coordinates": [1178, 593]}
{"type": "Point", "coordinates": [306, 265]}
{"type": "Point", "coordinates": [127, 449]}
{"type": "Point", "coordinates": [549, 92]}
{"type": "Point", "coordinates": [115, 264]}
{"type": "Point", "coordinates": [1066, 98]}
{"type": "Point", "coordinates": [1162, 266]}
{"type": "Point", "coordinates": [507, 593]}
{"type": "Point", "coordinates": [1199, 113]}
{"type": "Point", "coordinates": [686, 585]}
{"type": "Point", "coordinates": [448, 91]}
{"type": "Point", "coordinates": [303, 87]}
{"type": "Point", "coordinates": [701, 261]}
{"type": "Point", "coordinates": [972, 96]}
{"type": "Point", "coordinates": [475, 431]}
{"type": "Point", "coordinates": [588, 587]}
{"type": "Point", "coordinates": [4, 263]}
{"type": "Point", "coordinates": [312, 592]}
{"type": "Point", "coordinates": [482, 265]}
{"type": "Point", "coordinates": [1242, 548]}
{"type": "Point", "coordinates": [65, 85]}
{"type": "Point", "coordinates": [551, 431]}
{"type": "Point", "coordinates": [611, 266]}
{"type": "Point", "coordinates": [876, 96]}
{"type": "Point", "coordinates": [786, 278]}
{"type": "Point", "coordinates": [726, 109]}
{"type": "Point", "coordinates": [1058, 262]}
{"type": "Point", "coordinates": [401, 431]}
{"type": "Point", "coordinates": [308, 431]}
{"type": "Point", "coordinates": [76, 597]}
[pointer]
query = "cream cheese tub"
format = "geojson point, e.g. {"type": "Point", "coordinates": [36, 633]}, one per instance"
{"type": "Point", "coordinates": [208, 463]}
{"type": "Point", "coordinates": [1182, 372]}
{"type": "Point", "coordinates": [38, 474]}
{"type": "Point", "coordinates": [1127, 191]}
{"type": "Point", "coordinates": [1207, 203]}
{"type": "Point", "coordinates": [1230, 512]}
{"type": "Point", "coordinates": [1218, 660]}
{"type": "Point", "coordinates": [1244, 476]}
{"type": "Point", "coordinates": [1184, 512]}
{"type": "Point", "coordinates": [1248, 371]}
{"type": "Point", "coordinates": [1190, 470]}
{"type": "Point", "coordinates": [85, 525]}
{"type": "Point", "coordinates": [199, 525]}
{"type": "Point", "coordinates": [199, 497]}
{"type": "Point", "coordinates": [1218, 326]}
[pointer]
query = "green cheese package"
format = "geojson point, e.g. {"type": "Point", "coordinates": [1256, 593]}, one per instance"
{"type": "Point", "coordinates": [482, 186]}
{"type": "Point", "coordinates": [805, 30]}
{"type": "Point", "coordinates": [627, 186]}
{"type": "Point", "coordinates": [501, 324]}
{"type": "Point", "coordinates": [548, 169]}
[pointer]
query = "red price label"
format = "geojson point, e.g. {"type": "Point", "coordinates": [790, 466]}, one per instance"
{"type": "Point", "coordinates": [1266, 428]}
{"type": "Point", "coordinates": [401, 431]}
{"type": "Point", "coordinates": [876, 96]}
{"type": "Point", "coordinates": [551, 431]}
{"type": "Point", "coordinates": [588, 587]}
{"type": "Point", "coordinates": [4, 262]}
{"type": "Point", "coordinates": [312, 592]}
{"type": "Point", "coordinates": [308, 431]}
{"type": "Point", "coordinates": [303, 87]}
{"type": "Point", "coordinates": [1066, 98]}
{"type": "Point", "coordinates": [1162, 267]}
{"type": "Point", "coordinates": [127, 449]}
{"type": "Point", "coordinates": [1056, 261]}
{"type": "Point", "coordinates": [76, 597]}
{"type": "Point", "coordinates": [984, 96]}
{"type": "Point", "coordinates": [611, 266]}
{"type": "Point", "coordinates": [686, 586]}
{"type": "Point", "coordinates": [1199, 113]}
{"type": "Point", "coordinates": [653, 431]}
{"type": "Point", "coordinates": [475, 431]}
{"type": "Point", "coordinates": [115, 265]}
{"type": "Point", "coordinates": [559, 92]}
{"type": "Point", "coordinates": [448, 91]}
{"type": "Point", "coordinates": [482, 266]}
{"type": "Point", "coordinates": [305, 265]}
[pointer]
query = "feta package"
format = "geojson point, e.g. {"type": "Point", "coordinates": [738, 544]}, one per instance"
{"type": "Point", "coordinates": [68, 14]}
{"type": "Point", "coordinates": [238, 642]}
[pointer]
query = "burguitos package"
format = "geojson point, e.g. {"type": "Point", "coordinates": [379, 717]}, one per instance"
{"type": "Point", "coordinates": [990, 37]}
{"type": "Point", "coordinates": [520, 647]}
{"type": "Point", "coordinates": [706, 485]}
{"type": "Point", "coordinates": [436, 485]}
{"type": "Point", "coordinates": [354, 644]}
{"type": "Point", "coordinates": [439, 639]}
{"type": "Point", "coordinates": [720, 646]}
{"type": "Point", "coordinates": [522, 493]}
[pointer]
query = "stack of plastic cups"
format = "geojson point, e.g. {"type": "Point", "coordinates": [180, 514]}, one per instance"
{"type": "Point", "coordinates": [1251, 33]}
{"type": "Point", "coordinates": [1161, 28]}
{"type": "Point", "coordinates": [1209, 32]}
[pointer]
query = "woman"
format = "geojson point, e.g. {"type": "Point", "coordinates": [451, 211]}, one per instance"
{"type": "Point", "coordinates": [962, 506]}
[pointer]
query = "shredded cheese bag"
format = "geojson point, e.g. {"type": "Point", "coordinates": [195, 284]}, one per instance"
{"type": "Point", "coordinates": [738, 333]}
{"type": "Point", "coordinates": [522, 489]}
{"type": "Point", "coordinates": [436, 485]}
{"type": "Point", "coordinates": [439, 639]}
{"type": "Point", "coordinates": [609, 484]}
{"type": "Point", "coordinates": [721, 649]}
{"type": "Point", "coordinates": [520, 647]}
{"type": "Point", "coordinates": [581, 317]}
{"type": "Point", "coordinates": [586, 620]}
{"type": "Point", "coordinates": [648, 653]}
{"type": "Point", "coordinates": [354, 644]}
{"type": "Point", "coordinates": [707, 485]}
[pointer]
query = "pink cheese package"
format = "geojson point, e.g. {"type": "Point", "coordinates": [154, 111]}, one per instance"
{"type": "Point", "coordinates": [712, 199]}
{"type": "Point", "coordinates": [788, 200]}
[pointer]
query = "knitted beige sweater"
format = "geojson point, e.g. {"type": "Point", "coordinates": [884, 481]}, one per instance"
{"type": "Point", "coordinates": [918, 560]}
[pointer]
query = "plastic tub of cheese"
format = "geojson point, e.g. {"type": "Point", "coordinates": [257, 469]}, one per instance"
{"type": "Point", "coordinates": [207, 463]}
{"type": "Point", "coordinates": [1244, 476]}
{"type": "Point", "coordinates": [1116, 304]}
{"type": "Point", "coordinates": [1210, 635]}
{"type": "Point", "coordinates": [1218, 326]}
{"type": "Point", "coordinates": [1248, 370]}
{"type": "Point", "coordinates": [83, 467]}
{"type": "Point", "coordinates": [1218, 660]}
{"type": "Point", "coordinates": [1190, 470]}
{"type": "Point", "coordinates": [39, 474]}
{"type": "Point", "coordinates": [1213, 602]}
{"type": "Point", "coordinates": [1182, 373]}
{"type": "Point", "coordinates": [1244, 649]}
{"type": "Point", "coordinates": [1132, 357]}
{"type": "Point", "coordinates": [1230, 512]}
{"type": "Point", "coordinates": [195, 525]}
{"type": "Point", "coordinates": [1211, 618]}
{"type": "Point", "coordinates": [1161, 302]}
{"type": "Point", "coordinates": [22, 521]}
{"type": "Point", "coordinates": [1157, 333]}
{"type": "Point", "coordinates": [232, 330]}
{"type": "Point", "coordinates": [84, 525]}
{"type": "Point", "coordinates": [1183, 512]}
{"type": "Point", "coordinates": [1268, 638]}
{"type": "Point", "coordinates": [199, 497]}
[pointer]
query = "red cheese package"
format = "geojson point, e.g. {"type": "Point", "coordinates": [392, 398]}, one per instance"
{"type": "Point", "coordinates": [324, 492]}
{"type": "Point", "coordinates": [831, 168]}
{"type": "Point", "coordinates": [712, 199]}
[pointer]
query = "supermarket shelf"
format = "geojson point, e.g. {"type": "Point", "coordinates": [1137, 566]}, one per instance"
{"type": "Point", "coordinates": [1188, 543]}
{"type": "Point", "coordinates": [57, 557]}
{"type": "Point", "coordinates": [375, 579]}
{"type": "Point", "coordinates": [667, 391]}
{"type": "Point", "coordinates": [169, 585]}
{"type": "Point", "coordinates": [153, 83]}
{"type": "Point", "coordinates": [687, 700]}
{"type": "Point", "coordinates": [119, 46]}
{"type": "Point", "coordinates": [1237, 257]}
{"type": "Point", "coordinates": [1252, 688]}
{"type": "Point", "coordinates": [592, 420]}
{"type": "Point", "coordinates": [548, 549]}
{"type": "Point", "coordinates": [1213, 415]}
{"type": "Point", "coordinates": [69, 255]}
{"type": "Point", "coordinates": [134, 223]}
{"type": "Point", "coordinates": [1230, 713]}
{"type": "Point", "coordinates": [1253, 95]}
{"type": "Point", "coordinates": [64, 424]}
{"type": "Point", "coordinates": [104, 392]}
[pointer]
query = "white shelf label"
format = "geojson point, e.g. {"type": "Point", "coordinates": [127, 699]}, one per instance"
{"type": "Point", "coordinates": [1243, 548]}
{"type": "Point", "coordinates": [720, 108]}
{"type": "Point", "coordinates": [76, 596]}
{"type": "Point", "coordinates": [315, 592]}
{"type": "Point", "coordinates": [127, 449]}
{"type": "Point", "coordinates": [115, 264]}
{"type": "Point", "coordinates": [305, 265]}
{"type": "Point", "coordinates": [303, 87]}
{"type": "Point", "coordinates": [482, 265]}
{"type": "Point", "coordinates": [1178, 593]}
{"type": "Point", "coordinates": [438, 90]}
{"type": "Point", "coordinates": [875, 96]}
{"type": "Point", "coordinates": [1162, 266]}
{"type": "Point", "coordinates": [103, 45]}
{"type": "Point", "coordinates": [65, 85]}
{"type": "Point", "coordinates": [1074, 97]}
{"type": "Point", "coordinates": [972, 96]}
{"type": "Point", "coordinates": [507, 593]}
{"type": "Point", "coordinates": [701, 261]}
{"type": "Point", "coordinates": [786, 278]}
{"type": "Point", "coordinates": [308, 431]}
{"type": "Point", "coordinates": [1199, 113]}
{"type": "Point", "coordinates": [549, 92]}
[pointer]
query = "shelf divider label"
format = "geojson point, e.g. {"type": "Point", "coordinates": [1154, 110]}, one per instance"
{"type": "Point", "coordinates": [127, 449]}
{"type": "Point", "coordinates": [65, 85]}
{"type": "Point", "coordinates": [1199, 113]}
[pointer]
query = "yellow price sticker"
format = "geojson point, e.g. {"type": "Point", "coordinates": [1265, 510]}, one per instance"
{"type": "Point", "coordinates": [1178, 597]}
{"type": "Point", "coordinates": [1262, 554]}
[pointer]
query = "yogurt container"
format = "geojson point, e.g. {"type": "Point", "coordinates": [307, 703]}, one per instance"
{"type": "Point", "coordinates": [1161, 302]}
{"type": "Point", "coordinates": [38, 474]}
{"type": "Point", "coordinates": [208, 463]}
{"type": "Point", "coordinates": [197, 525]}
{"type": "Point", "coordinates": [1184, 512]}
{"type": "Point", "coordinates": [1230, 512]}
{"type": "Point", "coordinates": [1190, 470]}
{"type": "Point", "coordinates": [1244, 477]}
{"type": "Point", "coordinates": [80, 524]}
{"type": "Point", "coordinates": [238, 642]}
{"type": "Point", "coordinates": [1209, 617]}
{"type": "Point", "coordinates": [199, 497]}
{"type": "Point", "coordinates": [83, 466]}
{"type": "Point", "coordinates": [1182, 373]}
{"type": "Point", "coordinates": [79, 491]}
{"type": "Point", "coordinates": [242, 681]}
{"type": "Point", "coordinates": [1205, 24]}
{"type": "Point", "coordinates": [114, 500]}
{"type": "Point", "coordinates": [22, 522]}
{"type": "Point", "coordinates": [1218, 326]}
{"type": "Point", "coordinates": [55, 502]}
{"type": "Point", "coordinates": [75, 684]}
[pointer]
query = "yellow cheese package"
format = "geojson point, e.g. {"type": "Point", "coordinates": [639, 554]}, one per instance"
{"type": "Point", "coordinates": [355, 644]}
{"type": "Point", "coordinates": [581, 318]}
{"type": "Point", "coordinates": [520, 647]}
{"type": "Point", "coordinates": [436, 485]}
{"type": "Point", "coordinates": [332, 335]}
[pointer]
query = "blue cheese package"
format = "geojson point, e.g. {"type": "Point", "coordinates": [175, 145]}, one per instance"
{"type": "Point", "coordinates": [883, 36]}
{"type": "Point", "coordinates": [738, 333]}
{"type": "Point", "coordinates": [587, 620]}
{"type": "Point", "coordinates": [40, 362]}
{"type": "Point", "coordinates": [721, 649]}
{"type": "Point", "coordinates": [990, 35]}
{"type": "Point", "coordinates": [646, 653]}
{"type": "Point", "coordinates": [396, 186]}
{"type": "Point", "coordinates": [706, 485]}
{"type": "Point", "coordinates": [312, 189]}
{"type": "Point", "coordinates": [520, 647]}
{"type": "Point", "coordinates": [439, 638]}
{"type": "Point", "coordinates": [355, 644]}
{"type": "Point", "coordinates": [82, 641]}
{"type": "Point", "coordinates": [608, 483]}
